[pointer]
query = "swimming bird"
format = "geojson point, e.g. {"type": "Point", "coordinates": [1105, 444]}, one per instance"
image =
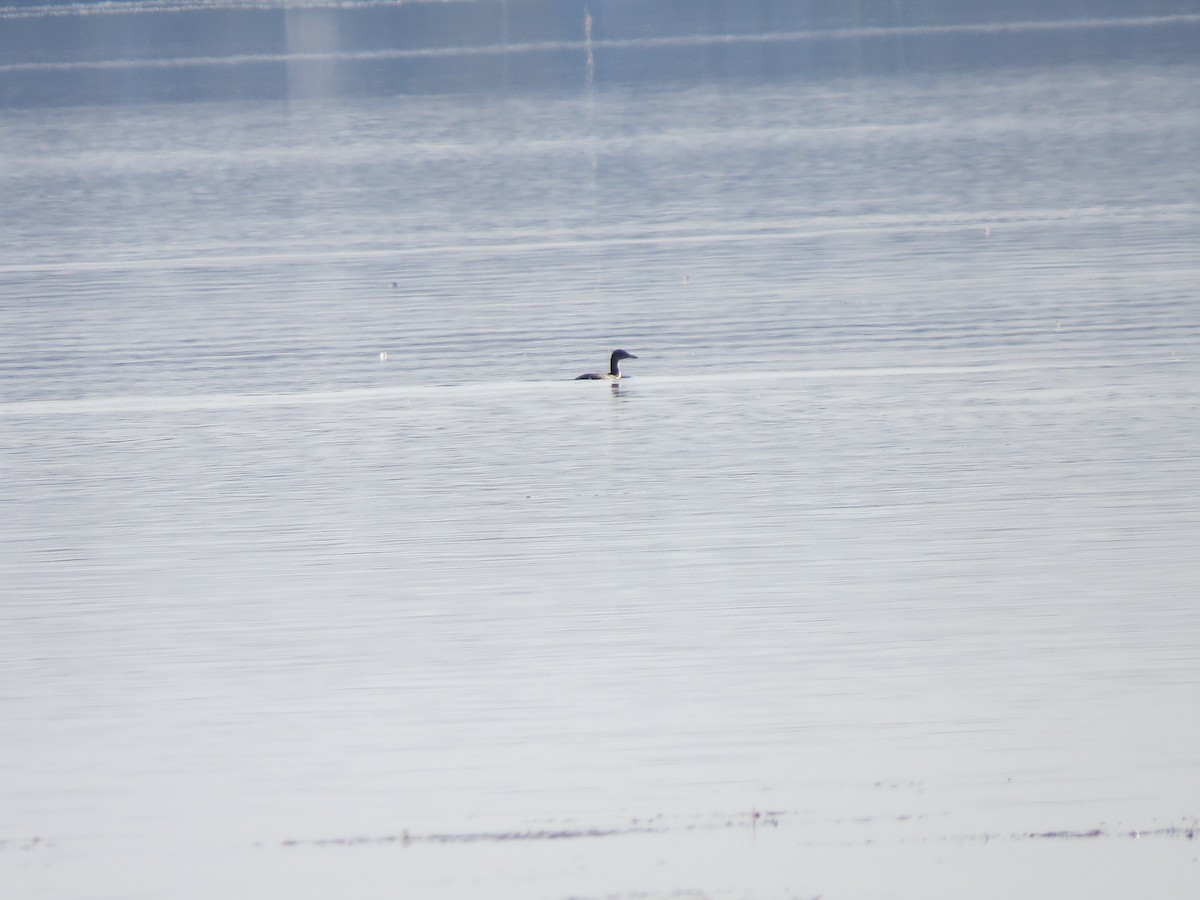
{"type": "Point", "coordinates": [614, 373]}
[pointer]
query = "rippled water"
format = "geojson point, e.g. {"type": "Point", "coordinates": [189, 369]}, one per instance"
{"type": "Point", "coordinates": [890, 533]}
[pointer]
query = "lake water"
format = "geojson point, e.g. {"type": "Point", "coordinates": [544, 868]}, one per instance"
{"type": "Point", "coordinates": [878, 568]}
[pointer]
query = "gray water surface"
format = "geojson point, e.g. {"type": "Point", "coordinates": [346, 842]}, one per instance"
{"type": "Point", "coordinates": [890, 531]}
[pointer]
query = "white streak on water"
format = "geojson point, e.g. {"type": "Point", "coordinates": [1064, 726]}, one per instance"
{"type": "Point", "coordinates": [585, 46]}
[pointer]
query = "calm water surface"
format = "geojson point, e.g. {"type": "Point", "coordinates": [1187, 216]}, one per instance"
{"type": "Point", "coordinates": [891, 532]}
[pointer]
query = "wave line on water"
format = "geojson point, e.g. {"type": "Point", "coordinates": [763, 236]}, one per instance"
{"type": "Point", "coordinates": [165, 403]}
{"type": "Point", "coordinates": [483, 243]}
{"type": "Point", "coordinates": [172, 403]}
{"type": "Point", "coordinates": [589, 44]}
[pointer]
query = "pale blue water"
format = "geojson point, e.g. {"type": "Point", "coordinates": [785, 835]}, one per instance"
{"type": "Point", "coordinates": [890, 532]}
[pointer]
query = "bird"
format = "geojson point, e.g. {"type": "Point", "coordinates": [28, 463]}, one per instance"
{"type": "Point", "coordinates": [613, 373]}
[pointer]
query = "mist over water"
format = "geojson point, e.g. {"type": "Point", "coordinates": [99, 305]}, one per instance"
{"type": "Point", "coordinates": [319, 568]}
